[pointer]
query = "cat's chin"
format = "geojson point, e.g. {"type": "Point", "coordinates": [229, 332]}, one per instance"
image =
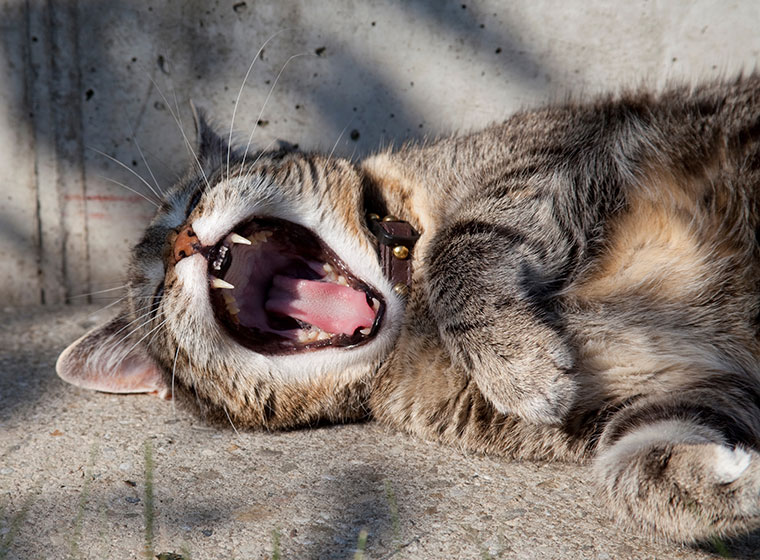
{"type": "Point", "coordinates": [277, 288]}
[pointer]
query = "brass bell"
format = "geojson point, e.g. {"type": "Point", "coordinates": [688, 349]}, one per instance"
{"type": "Point", "coordinates": [390, 218]}
{"type": "Point", "coordinates": [374, 217]}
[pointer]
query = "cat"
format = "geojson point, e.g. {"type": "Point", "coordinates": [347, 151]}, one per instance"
{"type": "Point", "coordinates": [577, 283]}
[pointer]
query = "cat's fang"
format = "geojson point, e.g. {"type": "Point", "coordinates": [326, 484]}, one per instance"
{"type": "Point", "coordinates": [375, 305]}
{"type": "Point", "coordinates": [221, 284]}
{"type": "Point", "coordinates": [236, 238]}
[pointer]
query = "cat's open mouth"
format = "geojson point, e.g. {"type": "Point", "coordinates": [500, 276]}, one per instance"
{"type": "Point", "coordinates": [277, 288]}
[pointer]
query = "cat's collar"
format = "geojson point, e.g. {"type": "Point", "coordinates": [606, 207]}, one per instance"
{"type": "Point", "coordinates": [395, 240]}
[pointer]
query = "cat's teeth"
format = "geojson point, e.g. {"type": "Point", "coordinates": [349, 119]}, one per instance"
{"type": "Point", "coordinates": [342, 280]}
{"type": "Point", "coordinates": [259, 236]}
{"type": "Point", "coordinates": [375, 305]}
{"type": "Point", "coordinates": [366, 331]}
{"type": "Point", "coordinates": [236, 238]}
{"type": "Point", "coordinates": [330, 274]}
{"type": "Point", "coordinates": [313, 334]}
{"type": "Point", "coordinates": [231, 304]}
{"type": "Point", "coordinates": [220, 284]}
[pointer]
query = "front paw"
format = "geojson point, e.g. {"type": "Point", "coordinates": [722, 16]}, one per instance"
{"type": "Point", "coordinates": [547, 401]}
{"type": "Point", "coordinates": [537, 384]}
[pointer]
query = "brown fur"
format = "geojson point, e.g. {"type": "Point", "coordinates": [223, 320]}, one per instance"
{"type": "Point", "coordinates": [585, 288]}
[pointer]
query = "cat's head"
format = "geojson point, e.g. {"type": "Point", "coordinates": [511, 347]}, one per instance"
{"type": "Point", "coordinates": [256, 290]}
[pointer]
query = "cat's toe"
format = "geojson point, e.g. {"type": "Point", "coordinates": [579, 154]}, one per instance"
{"type": "Point", "coordinates": [553, 404]}
{"type": "Point", "coordinates": [547, 405]}
{"type": "Point", "coordinates": [729, 464]}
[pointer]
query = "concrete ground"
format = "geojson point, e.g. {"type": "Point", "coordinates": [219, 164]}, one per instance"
{"type": "Point", "coordinates": [90, 475]}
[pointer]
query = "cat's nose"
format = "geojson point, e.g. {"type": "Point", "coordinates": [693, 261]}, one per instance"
{"type": "Point", "coordinates": [186, 243]}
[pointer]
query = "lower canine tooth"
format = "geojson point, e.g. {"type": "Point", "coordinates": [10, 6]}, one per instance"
{"type": "Point", "coordinates": [221, 284]}
{"type": "Point", "coordinates": [342, 281]}
{"type": "Point", "coordinates": [323, 335]}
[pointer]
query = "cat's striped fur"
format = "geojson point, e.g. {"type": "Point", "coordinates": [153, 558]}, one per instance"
{"type": "Point", "coordinates": [585, 288]}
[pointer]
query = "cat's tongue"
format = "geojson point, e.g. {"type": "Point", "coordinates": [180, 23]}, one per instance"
{"type": "Point", "coordinates": [331, 307]}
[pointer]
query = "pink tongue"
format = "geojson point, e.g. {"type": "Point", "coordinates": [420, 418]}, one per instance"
{"type": "Point", "coordinates": [331, 307]}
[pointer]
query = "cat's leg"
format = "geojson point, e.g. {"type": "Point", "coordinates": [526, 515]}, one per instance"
{"type": "Point", "coordinates": [490, 287]}
{"type": "Point", "coordinates": [683, 470]}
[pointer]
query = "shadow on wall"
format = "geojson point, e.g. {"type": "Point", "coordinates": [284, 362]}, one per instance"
{"type": "Point", "coordinates": [117, 78]}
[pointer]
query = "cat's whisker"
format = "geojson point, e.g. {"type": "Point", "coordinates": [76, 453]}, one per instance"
{"type": "Point", "coordinates": [178, 122]}
{"type": "Point", "coordinates": [136, 344]}
{"type": "Point", "coordinates": [342, 132]}
{"type": "Point", "coordinates": [123, 286]}
{"type": "Point", "coordinates": [128, 335]}
{"type": "Point", "coordinates": [138, 193]}
{"type": "Point", "coordinates": [122, 298]}
{"type": "Point", "coordinates": [147, 166]}
{"type": "Point", "coordinates": [174, 371]}
{"type": "Point", "coordinates": [231, 424]}
{"type": "Point", "coordinates": [139, 318]}
{"type": "Point", "coordinates": [263, 107]}
{"type": "Point", "coordinates": [132, 171]}
{"type": "Point", "coordinates": [240, 93]}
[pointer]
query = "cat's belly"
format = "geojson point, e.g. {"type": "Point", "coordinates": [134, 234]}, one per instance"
{"type": "Point", "coordinates": [671, 298]}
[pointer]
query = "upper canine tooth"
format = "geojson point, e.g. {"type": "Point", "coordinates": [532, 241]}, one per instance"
{"type": "Point", "coordinates": [327, 268]}
{"type": "Point", "coordinates": [236, 238]}
{"type": "Point", "coordinates": [342, 280]}
{"type": "Point", "coordinates": [375, 304]}
{"type": "Point", "coordinates": [221, 284]}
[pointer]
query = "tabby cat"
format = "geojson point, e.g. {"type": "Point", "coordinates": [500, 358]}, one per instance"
{"type": "Point", "coordinates": [584, 287]}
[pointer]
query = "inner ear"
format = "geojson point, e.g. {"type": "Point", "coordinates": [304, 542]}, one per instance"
{"type": "Point", "coordinates": [211, 148]}
{"type": "Point", "coordinates": [107, 359]}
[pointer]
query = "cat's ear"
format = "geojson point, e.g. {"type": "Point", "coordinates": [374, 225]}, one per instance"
{"type": "Point", "coordinates": [107, 359]}
{"type": "Point", "coordinates": [211, 148]}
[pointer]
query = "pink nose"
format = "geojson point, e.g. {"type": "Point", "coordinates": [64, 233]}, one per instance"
{"type": "Point", "coordinates": [186, 244]}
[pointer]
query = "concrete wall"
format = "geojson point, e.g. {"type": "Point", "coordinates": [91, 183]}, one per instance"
{"type": "Point", "coordinates": [85, 77]}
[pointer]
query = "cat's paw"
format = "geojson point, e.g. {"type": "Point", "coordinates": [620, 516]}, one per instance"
{"type": "Point", "coordinates": [526, 372]}
{"type": "Point", "coordinates": [547, 402]}
{"type": "Point", "coordinates": [729, 464]}
{"type": "Point", "coordinates": [536, 385]}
